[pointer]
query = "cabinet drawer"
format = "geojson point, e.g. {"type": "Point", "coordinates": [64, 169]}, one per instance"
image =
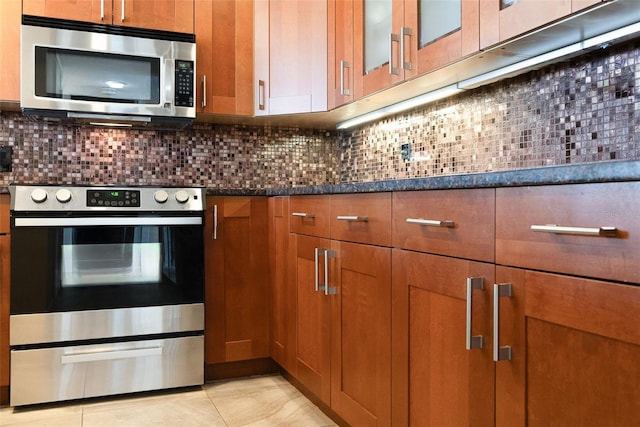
{"type": "Point", "coordinates": [457, 223]}
{"type": "Point", "coordinates": [63, 373]}
{"type": "Point", "coordinates": [310, 215]}
{"type": "Point", "coordinates": [589, 230]}
{"type": "Point", "coordinates": [362, 218]}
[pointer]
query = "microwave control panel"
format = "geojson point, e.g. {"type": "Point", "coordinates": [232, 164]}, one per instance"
{"type": "Point", "coordinates": [184, 83]}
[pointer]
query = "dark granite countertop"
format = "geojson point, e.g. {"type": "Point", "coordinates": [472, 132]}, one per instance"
{"type": "Point", "coordinates": [566, 174]}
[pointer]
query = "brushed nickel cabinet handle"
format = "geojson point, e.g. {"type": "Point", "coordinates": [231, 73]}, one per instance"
{"type": "Point", "coordinates": [261, 95]}
{"type": "Point", "coordinates": [328, 290]}
{"type": "Point", "coordinates": [393, 38]}
{"type": "Point", "coordinates": [102, 10]}
{"type": "Point", "coordinates": [431, 222]}
{"type": "Point", "coordinates": [473, 283]}
{"type": "Point", "coordinates": [352, 218]}
{"type": "Point", "coordinates": [500, 290]}
{"type": "Point", "coordinates": [317, 270]}
{"type": "Point", "coordinates": [343, 90]}
{"type": "Point", "coordinates": [584, 231]}
{"type": "Point", "coordinates": [204, 91]}
{"type": "Point", "coordinates": [122, 14]}
{"type": "Point", "coordinates": [404, 32]}
{"type": "Point", "coordinates": [303, 214]}
{"type": "Point", "coordinates": [215, 222]}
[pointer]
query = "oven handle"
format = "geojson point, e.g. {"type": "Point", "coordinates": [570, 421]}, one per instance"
{"type": "Point", "coordinates": [110, 355]}
{"type": "Point", "coordinates": [92, 221]}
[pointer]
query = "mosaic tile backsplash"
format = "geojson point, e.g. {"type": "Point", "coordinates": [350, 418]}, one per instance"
{"type": "Point", "coordinates": [213, 156]}
{"type": "Point", "coordinates": [580, 111]}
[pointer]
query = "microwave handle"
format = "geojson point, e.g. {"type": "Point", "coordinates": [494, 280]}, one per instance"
{"type": "Point", "coordinates": [169, 76]}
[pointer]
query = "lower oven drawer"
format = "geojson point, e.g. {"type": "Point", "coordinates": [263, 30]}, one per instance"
{"type": "Point", "coordinates": [63, 373]}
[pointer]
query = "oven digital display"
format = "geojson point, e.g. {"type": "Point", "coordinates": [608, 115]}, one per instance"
{"type": "Point", "coordinates": [114, 198]}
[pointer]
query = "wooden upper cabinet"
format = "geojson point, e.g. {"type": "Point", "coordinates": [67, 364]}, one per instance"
{"type": "Point", "coordinates": [167, 15]}
{"type": "Point", "coordinates": [98, 11]}
{"type": "Point", "coordinates": [396, 40]}
{"type": "Point", "coordinates": [10, 58]}
{"type": "Point", "coordinates": [340, 52]}
{"type": "Point", "coordinates": [290, 56]}
{"type": "Point", "coordinates": [224, 45]}
{"type": "Point", "coordinates": [505, 19]}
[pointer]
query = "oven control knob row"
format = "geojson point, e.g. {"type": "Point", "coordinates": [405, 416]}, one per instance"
{"type": "Point", "coordinates": [160, 196]}
{"type": "Point", "coordinates": [63, 195]}
{"type": "Point", "coordinates": [182, 196]}
{"type": "Point", "coordinates": [39, 195]}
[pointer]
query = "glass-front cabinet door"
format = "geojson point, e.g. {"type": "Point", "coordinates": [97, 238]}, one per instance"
{"type": "Point", "coordinates": [377, 24]}
{"type": "Point", "coordinates": [447, 30]}
{"type": "Point", "coordinates": [397, 40]}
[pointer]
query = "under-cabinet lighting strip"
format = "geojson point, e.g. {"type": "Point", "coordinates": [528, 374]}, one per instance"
{"type": "Point", "coordinates": [510, 70]}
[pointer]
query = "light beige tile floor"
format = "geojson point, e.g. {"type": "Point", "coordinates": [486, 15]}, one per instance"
{"type": "Point", "coordinates": [257, 401]}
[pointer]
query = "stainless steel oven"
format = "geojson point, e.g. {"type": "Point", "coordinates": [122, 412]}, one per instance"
{"type": "Point", "coordinates": [107, 291]}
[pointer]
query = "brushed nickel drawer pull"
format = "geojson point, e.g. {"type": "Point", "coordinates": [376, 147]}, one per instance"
{"type": "Point", "coordinates": [473, 283]}
{"type": "Point", "coordinates": [353, 218]}
{"type": "Point", "coordinates": [499, 290]}
{"type": "Point", "coordinates": [430, 222]}
{"type": "Point", "coordinates": [303, 214]}
{"type": "Point", "coordinates": [585, 231]}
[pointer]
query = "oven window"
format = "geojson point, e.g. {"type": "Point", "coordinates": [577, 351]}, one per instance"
{"type": "Point", "coordinates": [85, 268]}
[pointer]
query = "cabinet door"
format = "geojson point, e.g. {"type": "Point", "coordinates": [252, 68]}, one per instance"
{"type": "Point", "coordinates": [442, 32]}
{"type": "Point", "coordinates": [361, 334]}
{"type": "Point", "coordinates": [225, 56]}
{"type": "Point", "coordinates": [377, 28]}
{"type": "Point", "coordinates": [10, 58]}
{"type": "Point", "coordinates": [283, 290]}
{"type": "Point", "coordinates": [98, 11]}
{"type": "Point", "coordinates": [575, 351]}
{"type": "Point", "coordinates": [436, 380]}
{"type": "Point", "coordinates": [340, 52]}
{"type": "Point", "coordinates": [505, 19]}
{"type": "Point", "coordinates": [313, 317]}
{"type": "Point", "coordinates": [236, 312]}
{"type": "Point", "coordinates": [167, 15]}
{"type": "Point", "coordinates": [291, 56]}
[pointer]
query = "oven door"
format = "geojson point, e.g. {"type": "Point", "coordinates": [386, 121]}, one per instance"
{"type": "Point", "coordinates": [63, 264]}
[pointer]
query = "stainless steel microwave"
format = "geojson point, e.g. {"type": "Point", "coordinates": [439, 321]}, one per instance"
{"type": "Point", "coordinates": [106, 73]}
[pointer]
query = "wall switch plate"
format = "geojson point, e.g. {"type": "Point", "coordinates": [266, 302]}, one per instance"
{"type": "Point", "coordinates": [405, 152]}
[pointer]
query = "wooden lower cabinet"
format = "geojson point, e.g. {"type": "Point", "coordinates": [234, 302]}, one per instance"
{"type": "Point", "coordinates": [361, 334]}
{"type": "Point", "coordinates": [575, 351]}
{"type": "Point", "coordinates": [237, 283]}
{"type": "Point", "coordinates": [313, 319]}
{"type": "Point", "coordinates": [343, 335]}
{"type": "Point", "coordinates": [283, 291]}
{"type": "Point", "coordinates": [436, 380]}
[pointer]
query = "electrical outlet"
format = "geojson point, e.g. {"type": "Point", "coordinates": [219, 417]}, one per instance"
{"type": "Point", "coordinates": [405, 151]}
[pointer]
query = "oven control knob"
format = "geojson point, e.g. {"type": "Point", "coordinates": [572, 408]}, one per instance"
{"type": "Point", "coordinates": [38, 195]}
{"type": "Point", "coordinates": [160, 196]}
{"type": "Point", "coordinates": [182, 196]}
{"type": "Point", "coordinates": [63, 195]}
